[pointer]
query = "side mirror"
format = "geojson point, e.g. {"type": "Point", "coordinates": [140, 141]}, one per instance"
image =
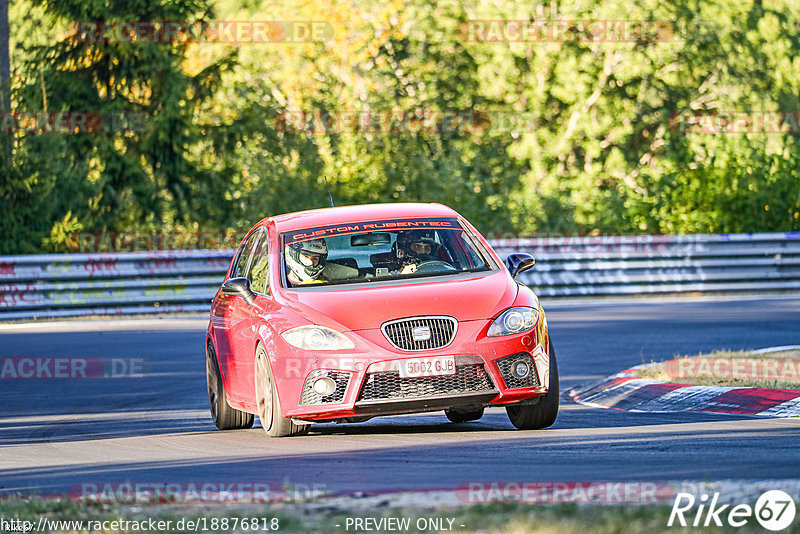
{"type": "Point", "coordinates": [518, 263]}
{"type": "Point", "coordinates": [239, 287]}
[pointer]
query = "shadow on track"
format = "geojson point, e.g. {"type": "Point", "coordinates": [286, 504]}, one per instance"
{"type": "Point", "coordinates": [666, 451]}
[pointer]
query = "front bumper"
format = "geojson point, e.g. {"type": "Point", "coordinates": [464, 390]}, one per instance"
{"type": "Point", "coordinates": [369, 384]}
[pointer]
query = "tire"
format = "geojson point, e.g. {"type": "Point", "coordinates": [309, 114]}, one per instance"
{"type": "Point", "coordinates": [463, 417]}
{"type": "Point", "coordinates": [268, 404]}
{"type": "Point", "coordinates": [542, 414]}
{"type": "Point", "coordinates": [224, 416]}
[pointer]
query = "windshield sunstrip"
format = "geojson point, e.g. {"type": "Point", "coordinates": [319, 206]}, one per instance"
{"type": "Point", "coordinates": [450, 223]}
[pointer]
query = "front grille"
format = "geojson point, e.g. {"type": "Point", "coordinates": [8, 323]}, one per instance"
{"type": "Point", "coordinates": [507, 364]}
{"type": "Point", "coordinates": [309, 396]}
{"type": "Point", "coordinates": [439, 330]}
{"type": "Point", "coordinates": [387, 385]}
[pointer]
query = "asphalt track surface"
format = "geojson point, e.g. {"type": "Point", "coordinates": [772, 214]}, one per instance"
{"type": "Point", "coordinates": [56, 434]}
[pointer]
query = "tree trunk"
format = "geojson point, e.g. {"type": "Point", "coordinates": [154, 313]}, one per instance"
{"type": "Point", "coordinates": [5, 60]}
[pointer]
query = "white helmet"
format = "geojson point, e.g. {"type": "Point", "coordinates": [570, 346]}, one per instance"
{"type": "Point", "coordinates": [298, 269]}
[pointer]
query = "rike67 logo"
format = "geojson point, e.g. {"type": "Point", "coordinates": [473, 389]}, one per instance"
{"type": "Point", "coordinates": [774, 510]}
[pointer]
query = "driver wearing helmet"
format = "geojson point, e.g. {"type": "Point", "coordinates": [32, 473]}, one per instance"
{"type": "Point", "coordinates": [414, 247]}
{"type": "Point", "coordinates": [306, 261]}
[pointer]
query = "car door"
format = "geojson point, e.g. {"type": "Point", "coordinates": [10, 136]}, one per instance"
{"type": "Point", "coordinates": [263, 306]}
{"type": "Point", "coordinates": [231, 320]}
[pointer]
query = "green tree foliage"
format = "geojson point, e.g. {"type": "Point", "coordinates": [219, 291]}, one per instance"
{"type": "Point", "coordinates": [607, 153]}
{"type": "Point", "coordinates": [133, 168]}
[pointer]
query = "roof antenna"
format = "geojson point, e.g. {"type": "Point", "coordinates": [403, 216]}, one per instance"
{"type": "Point", "coordinates": [329, 191]}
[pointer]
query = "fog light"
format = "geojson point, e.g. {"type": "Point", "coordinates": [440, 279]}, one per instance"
{"type": "Point", "coordinates": [521, 369]}
{"type": "Point", "coordinates": [324, 386]}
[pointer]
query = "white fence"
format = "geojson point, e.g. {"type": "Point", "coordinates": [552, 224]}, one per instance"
{"type": "Point", "coordinates": [184, 281]}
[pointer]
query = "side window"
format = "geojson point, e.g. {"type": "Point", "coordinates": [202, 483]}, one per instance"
{"type": "Point", "coordinates": [258, 275]}
{"type": "Point", "coordinates": [245, 252]}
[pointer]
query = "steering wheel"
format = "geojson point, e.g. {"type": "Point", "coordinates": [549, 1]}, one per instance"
{"type": "Point", "coordinates": [433, 266]}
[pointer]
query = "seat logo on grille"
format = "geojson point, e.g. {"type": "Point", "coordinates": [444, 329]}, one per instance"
{"type": "Point", "coordinates": [421, 333]}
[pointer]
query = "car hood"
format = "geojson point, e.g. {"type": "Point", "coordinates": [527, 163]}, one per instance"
{"type": "Point", "coordinates": [466, 299]}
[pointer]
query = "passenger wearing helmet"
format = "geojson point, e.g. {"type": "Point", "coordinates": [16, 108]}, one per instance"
{"type": "Point", "coordinates": [414, 247]}
{"type": "Point", "coordinates": [306, 261]}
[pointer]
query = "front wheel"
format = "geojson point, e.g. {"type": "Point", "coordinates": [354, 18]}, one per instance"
{"type": "Point", "coordinates": [224, 416]}
{"type": "Point", "coordinates": [268, 404]}
{"type": "Point", "coordinates": [543, 413]}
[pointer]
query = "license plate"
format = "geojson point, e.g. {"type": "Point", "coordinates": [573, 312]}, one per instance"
{"type": "Point", "coordinates": [434, 366]}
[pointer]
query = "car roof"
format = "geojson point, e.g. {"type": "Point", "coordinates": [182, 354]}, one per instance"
{"type": "Point", "coordinates": [365, 212]}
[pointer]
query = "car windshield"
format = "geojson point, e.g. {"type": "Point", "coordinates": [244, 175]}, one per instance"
{"type": "Point", "coordinates": [377, 251]}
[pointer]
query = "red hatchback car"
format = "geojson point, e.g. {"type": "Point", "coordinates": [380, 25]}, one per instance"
{"type": "Point", "coordinates": [344, 314]}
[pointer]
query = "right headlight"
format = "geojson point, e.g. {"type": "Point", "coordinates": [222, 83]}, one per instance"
{"type": "Point", "coordinates": [314, 337]}
{"type": "Point", "coordinates": [513, 321]}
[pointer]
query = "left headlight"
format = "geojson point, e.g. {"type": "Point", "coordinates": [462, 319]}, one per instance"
{"type": "Point", "coordinates": [513, 321]}
{"type": "Point", "coordinates": [313, 337]}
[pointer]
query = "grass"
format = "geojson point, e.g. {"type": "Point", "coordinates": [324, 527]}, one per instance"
{"type": "Point", "coordinates": [500, 518]}
{"type": "Point", "coordinates": [666, 371]}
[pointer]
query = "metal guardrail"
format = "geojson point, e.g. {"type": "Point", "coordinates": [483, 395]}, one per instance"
{"type": "Point", "coordinates": [631, 265]}
{"type": "Point", "coordinates": [62, 285]}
